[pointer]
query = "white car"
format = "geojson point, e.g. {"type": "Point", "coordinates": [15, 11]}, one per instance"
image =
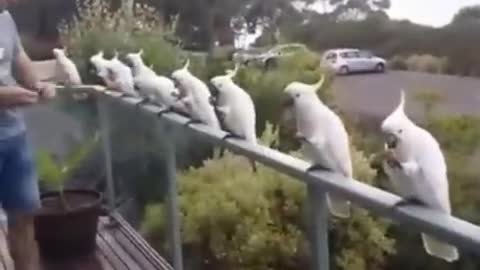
{"type": "Point", "coordinates": [266, 57]}
{"type": "Point", "coordinates": [345, 61]}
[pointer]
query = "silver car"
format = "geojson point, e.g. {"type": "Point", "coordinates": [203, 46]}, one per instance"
{"type": "Point", "coordinates": [345, 61]}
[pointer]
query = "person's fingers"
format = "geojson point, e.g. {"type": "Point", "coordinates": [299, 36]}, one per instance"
{"type": "Point", "coordinates": [25, 92]}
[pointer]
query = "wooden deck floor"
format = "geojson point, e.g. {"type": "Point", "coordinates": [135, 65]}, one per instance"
{"type": "Point", "coordinates": [118, 247]}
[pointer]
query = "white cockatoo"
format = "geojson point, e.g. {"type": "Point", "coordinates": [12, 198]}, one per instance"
{"type": "Point", "coordinates": [236, 108]}
{"type": "Point", "coordinates": [324, 138]}
{"type": "Point", "coordinates": [416, 166]}
{"type": "Point", "coordinates": [195, 96]}
{"type": "Point", "coordinates": [65, 69]}
{"type": "Point", "coordinates": [137, 64]}
{"type": "Point", "coordinates": [122, 77]}
{"type": "Point", "coordinates": [158, 89]}
{"type": "Point", "coordinates": [100, 64]}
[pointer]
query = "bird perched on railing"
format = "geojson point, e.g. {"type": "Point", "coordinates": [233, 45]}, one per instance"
{"type": "Point", "coordinates": [137, 65]}
{"type": "Point", "coordinates": [236, 108]}
{"type": "Point", "coordinates": [101, 66]}
{"type": "Point", "coordinates": [416, 167]}
{"type": "Point", "coordinates": [115, 74]}
{"type": "Point", "coordinates": [122, 76]}
{"type": "Point", "coordinates": [152, 87]}
{"type": "Point", "coordinates": [195, 96]}
{"type": "Point", "coordinates": [65, 71]}
{"type": "Point", "coordinates": [324, 138]}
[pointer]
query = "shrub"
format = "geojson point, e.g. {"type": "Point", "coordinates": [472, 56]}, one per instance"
{"type": "Point", "coordinates": [427, 63]}
{"type": "Point", "coordinates": [235, 219]}
{"type": "Point", "coordinates": [397, 63]}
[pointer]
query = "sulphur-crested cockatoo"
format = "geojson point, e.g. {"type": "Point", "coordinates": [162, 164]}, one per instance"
{"type": "Point", "coordinates": [416, 166]}
{"type": "Point", "coordinates": [236, 108]}
{"type": "Point", "coordinates": [324, 138]}
{"type": "Point", "coordinates": [195, 96]}
{"type": "Point", "coordinates": [66, 71]}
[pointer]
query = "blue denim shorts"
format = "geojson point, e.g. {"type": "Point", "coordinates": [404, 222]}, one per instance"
{"type": "Point", "coordinates": [19, 191]}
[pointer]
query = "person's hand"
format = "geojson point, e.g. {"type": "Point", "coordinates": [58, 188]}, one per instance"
{"type": "Point", "coordinates": [46, 90]}
{"type": "Point", "coordinates": [17, 96]}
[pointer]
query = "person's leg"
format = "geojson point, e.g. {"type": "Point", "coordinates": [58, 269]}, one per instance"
{"type": "Point", "coordinates": [20, 200]}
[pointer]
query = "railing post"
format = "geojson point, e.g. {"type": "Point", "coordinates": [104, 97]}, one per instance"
{"type": "Point", "coordinates": [107, 153]}
{"type": "Point", "coordinates": [173, 212]}
{"type": "Point", "coordinates": [318, 215]}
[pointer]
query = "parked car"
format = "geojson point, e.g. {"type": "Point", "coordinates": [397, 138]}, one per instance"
{"type": "Point", "coordinates": [266, 58]}
{"type": "Point", "coordinates": [345, 61]}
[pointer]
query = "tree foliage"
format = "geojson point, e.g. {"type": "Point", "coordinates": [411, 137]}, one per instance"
{"type": "Point", "coordinates": [469, 15]}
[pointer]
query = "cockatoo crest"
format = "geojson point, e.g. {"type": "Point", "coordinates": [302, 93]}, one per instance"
{"type": "Point", "coordinates": [224, 82]}
{"type": "Point", "coordinates": [135, 59]}
{"type": "Point", "coordinates": [182, 73]}
{"type": "Point", "coordinates": [298, 89]}
{"type": "Point", "coordinates": [115, 55]}
{"type": "Point", "coordinates": [100, 63]}
{"type": "Point", "coordinates": [397, 120]}
{"type": "Point", "coordinates": [187, 65]}
{"type": "Point", "coordinates": [232, 73]}
{"type": "Point", "coordinates": [59, 52]}
{"type": "Point", "coordinates": [96, 57]}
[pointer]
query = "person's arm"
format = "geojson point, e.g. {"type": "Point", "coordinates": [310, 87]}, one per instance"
{"type": "Point", "coordinates": [25, 70]}
{"type": "Point", "coordinates": [14, 96]}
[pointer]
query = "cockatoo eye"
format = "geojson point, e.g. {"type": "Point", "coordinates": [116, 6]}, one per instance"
{"type": "Point", "coordinates": [400, 131]}
{"type": "Point", "coordinates": [297, 95]}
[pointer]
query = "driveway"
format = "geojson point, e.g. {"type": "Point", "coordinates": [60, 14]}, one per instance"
{"type": "Point", "coordinates": [376, 95]}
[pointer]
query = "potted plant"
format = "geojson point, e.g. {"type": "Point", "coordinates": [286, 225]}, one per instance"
{"type": "Point", "coordinates": [66, 223]}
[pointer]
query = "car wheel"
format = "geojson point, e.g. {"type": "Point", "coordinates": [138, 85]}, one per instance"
{"type": "Point", "coordinates": [380, 68]}
{"type": "Point", "coordinates": [344, 70]}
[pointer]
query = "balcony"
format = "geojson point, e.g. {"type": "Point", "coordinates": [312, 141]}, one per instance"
{"type": "Point", "coordinates": [122, 247]}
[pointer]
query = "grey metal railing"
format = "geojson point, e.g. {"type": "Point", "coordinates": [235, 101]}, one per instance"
{"type": "Point", "coordinates": [458, 232]}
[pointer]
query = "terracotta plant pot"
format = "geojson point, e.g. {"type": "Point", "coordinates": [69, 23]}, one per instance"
{"type": "Point", "coordinates": [71, 231]}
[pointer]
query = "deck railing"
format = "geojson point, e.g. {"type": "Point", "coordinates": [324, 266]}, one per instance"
{"type": "Point", "coordinates": [464, 235]}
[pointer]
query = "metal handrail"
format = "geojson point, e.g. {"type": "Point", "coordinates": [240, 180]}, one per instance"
{"type": "Point", "coordinates": [457, 232]}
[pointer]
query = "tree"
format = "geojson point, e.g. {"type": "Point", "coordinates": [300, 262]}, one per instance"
{"type": "Point", "coordinates": [469, 14]}
{"type": "Point", "coordinates": [357, 9]}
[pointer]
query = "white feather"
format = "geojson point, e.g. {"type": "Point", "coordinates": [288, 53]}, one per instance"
{"type": "Point", "coordinates": [423, 172]}
{"type": "Point", "coordinates": [66, 71]}
{"type": "Point", "coordinates": [196, 97]}
{"type": "Point", "coordinates": [122, 76]}
{"type": "Point", "coordinates": [327, 140]}
{"type": "Point", "coordinates": [237, 108]}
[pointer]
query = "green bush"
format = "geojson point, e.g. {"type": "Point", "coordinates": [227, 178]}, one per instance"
{"type": "Point", "coordinates": [423, 63]}
{"type": "Point", "coordinates": [427, 63]}
{"type": "Point", "coordinates": [397, 63]}
{"type": "Point", "coordinates": [235, 219]}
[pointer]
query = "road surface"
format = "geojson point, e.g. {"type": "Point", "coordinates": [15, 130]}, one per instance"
{"type": "Point", "coordinates": [376, 95]}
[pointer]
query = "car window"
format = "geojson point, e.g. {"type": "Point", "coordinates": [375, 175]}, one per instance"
{"type": "Point", "coordinates": [349, 54]}
{"type": "Point", "coordinates": [331, 56]}
{"type": "Point", "coordinates": [366, 54]}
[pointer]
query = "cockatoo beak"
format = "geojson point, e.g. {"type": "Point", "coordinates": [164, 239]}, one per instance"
{"type": "Point", "coordinates": [176, 83]}
{"type": "Point", "coordinates": [129, 63]}
{"type": "Point", "coordinates": [391, 140]}
{"type": "Point", "coordinates": [288, 102]}
{"type": "Point", "coordinates": [213, 89]}
{"type": "Point", "coordinates": [176, 96]}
